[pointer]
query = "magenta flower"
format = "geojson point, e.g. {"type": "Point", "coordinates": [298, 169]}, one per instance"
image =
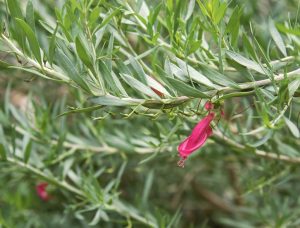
{"type": "Point", "coordinates": [42, 192]}
{"type": "Point", "coordinates": [197, 138]}
{"type": "Point", "coordinates": [209, 106]}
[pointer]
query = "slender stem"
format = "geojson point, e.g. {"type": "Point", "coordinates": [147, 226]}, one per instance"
{"type": "Point", "coordinates": [117, 205]}
{"type": "Point", "coordinates": [50, 179]}
{"type": "Point", "coordinates": [261, 153]}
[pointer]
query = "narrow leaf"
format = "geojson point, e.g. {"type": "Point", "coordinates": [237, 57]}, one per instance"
{"type": "Point", "coordinates": [52, 46]}
{"type": "Point", "coordinates": [293, 128]}
{"type": "Point", "coordinates": [2, 152]}
{"type": "Point", "coordinates": [113, 101]}
{"type": "Point", "coordinates": [194, 74]}
{"type": "Point", "coordinates": [106, 20]}
{"type": "Point", "coordinates": [277, 37]}
{"type": "Point", "coordinates": [71, 70]}
{"type": "Point", "coordinates": [219, 78]}
{"type": "Point", "coordinates": [139, 86]}
{"type": "Point", "coordinates": [30, 15]}
{"type": "Point", "coordinates": [245, 62]}
{"type": "Point", "coordinates": [32, 40]}
{"type": "Point", "coordinates": [185, 89]}
{"type": "Point", "coordinates": [27, 151]}
{"type": "Point", "coordinates": [83, 52]}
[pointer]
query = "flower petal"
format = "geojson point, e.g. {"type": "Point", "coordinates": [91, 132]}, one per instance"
{"type": "Point", "coordinates": [197, 138]}
{"type": "Point", "coordinates": [42, 192]}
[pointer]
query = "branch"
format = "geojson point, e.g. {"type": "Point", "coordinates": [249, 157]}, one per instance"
{"type": "Point", "coordinates": [34, 63]}
{"type": "Point", "coordinates": [268, 155]}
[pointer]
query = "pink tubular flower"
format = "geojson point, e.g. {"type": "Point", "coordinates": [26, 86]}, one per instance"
{"type": "Point", "coordinates": [208, 106]}
{"type": "Point", "coordinates": [197, 138]}
{"type": "Point", "coordinates": [42, 192]}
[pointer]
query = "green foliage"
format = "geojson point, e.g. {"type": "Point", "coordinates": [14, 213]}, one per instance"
{"type": "Point", "coordinates": [97, 95]}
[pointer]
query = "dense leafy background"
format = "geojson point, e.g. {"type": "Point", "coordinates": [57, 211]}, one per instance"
{"type": "Point", "coordinates": [79, 110]}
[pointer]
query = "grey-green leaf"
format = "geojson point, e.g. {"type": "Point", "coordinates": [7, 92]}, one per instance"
{"type": "Point", "coordinates": [246, 62]}
{"type": "Point", "coordinates": [277, 37]}
{"type": "Point", "coordinates": [71, 70]}
{"type": "Point", "coordinates": [113, 101]}
{"type": "Point", "coordinates": [194, 74]}
{"type": "Point", "coordinates": [32, 40]}
{"type": "Point", "coordinates": [27, 151]}
{"type": "Point", "coordinates": [219, 78]}
{"type": "Point", "coordinates": [139, 86]}
{"type": "Point", "coordinates": [185, 89]}
{"type": "Point", "coordinates": [30, 15]}
{"type": "Point", "coordinates": [2, 152]}
{"type": "Point", "coordinates": [293, 86]}
{"type": "Point", "coordinates": [293, 128]}
{"type": "Point", "coordinates": [83, 52]}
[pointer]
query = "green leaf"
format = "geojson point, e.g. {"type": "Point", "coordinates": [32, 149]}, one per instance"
{"type": "Point", "coordinates": [246, 62]}
{"type": "Point", "coordinates": [113, 101]}
{"type": "Point", "coordinates": [203, 8]}
{"type": "Point", "coordinates": [83, 52]}
{"type": "Point", "coordinates": [100, 214]}
{"type": "Point", "coordinates": [219, 78]}
{"type": "Point", "coordinates": [52, 46]}
{"type": "Point", "coordinates": [185, 89]}
{"type": "Point", "coordinates": [293, 31]}
{"type": "Point", "coordinates": [277, 38]}
{"type": "Point", "coordinates": [3, 145]}
{"type": "Point", "coordinates": [293, 128]}
{"type": "Point", "coordinates": [111, 79]}
{"type": "Point", "coordinates": [194, 74]}
{"type": "Point", "coordinates": [219, 12]}
{"type": "Point", "coordinates": [94, 15]}
{"type": "Point", "coordinates": [139, 69]}
{"type": "Point", "coordinates": [110, 49]}
{"type": "Point", "coordinates": [154, 14]}
{"type": "Point", "coordinates": [70, 69]}
{"type": "Point", "coordinates": [30, 15]}
{"type": "Point", "coordinates": [14, 8]}
{"type": "Point", "coordinates": [15, 32]}
{"type": "Point", "coordinates": [190, 9]}
{"type": "Point", "coordinates": [248, 46]}
{"type": "Point", "coordinates": [27, 151]}
{"type": "Point", "coordinates": [293, 86]}
{"type": "Point", "coordinates": [262, 140]}
{"type": "Point", "coordinates": [147, 187]}
{"type": "Point", "coordinates": [32, 40]}
{"type": "Point", "coordinates": [139, 86]}
{"type": "Point", "coordinates": [233, 25]}
{"type": "Point", "coordinates": [2, 152]}
{"type": "Point", "coordinates": [106, 20]}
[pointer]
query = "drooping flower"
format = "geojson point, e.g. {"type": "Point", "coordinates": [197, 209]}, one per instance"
{"type": "Point", "coordinates": [196, 139]}
{"type": "Point", "coordinates": [42, 191]}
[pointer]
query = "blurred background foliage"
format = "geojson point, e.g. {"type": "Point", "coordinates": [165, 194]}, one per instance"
{"type": "Point", "coordinates": [106, 142]}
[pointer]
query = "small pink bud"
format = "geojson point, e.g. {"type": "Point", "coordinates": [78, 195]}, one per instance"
{"type": "Point", "coordinates": [208, 106]}
{"type": "Point", "coordinates": [222, 113]}
{"type": "Point", "coordinates": [42, 192]}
